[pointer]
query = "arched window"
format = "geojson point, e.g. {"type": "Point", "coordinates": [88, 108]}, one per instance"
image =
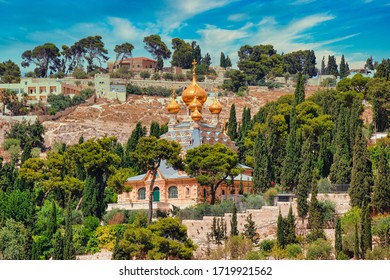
{"type": "Point", "coordinates": [187, 192]}
{"type": "Point", "coordinates": [141, 193]}
{"type": "Point", "coordinates": [172, 192]}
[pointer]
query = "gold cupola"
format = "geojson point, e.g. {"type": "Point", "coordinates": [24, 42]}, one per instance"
{"type": "Point", "coordinates": [194, 89]}
{"type": "Point", "coordinates": [216, 107]}
{"type": "Point", "coordinates": [195, 104]}
{"type": "Point", "coordinates": [173, 107]}
{"type": "Point", "coordinates": [196, 115]}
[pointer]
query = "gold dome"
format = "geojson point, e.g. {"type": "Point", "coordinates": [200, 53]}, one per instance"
{"type": "Point", "coordinates": [196, 116]}
{"type": "Point", "coordinates": [216, 107]}
{"type": "Point", "coordinates": [194, 90]}
{"type": "Point", "coordinates": [195, 104]}
{"type": "Point", "coordinates": [173, 107]}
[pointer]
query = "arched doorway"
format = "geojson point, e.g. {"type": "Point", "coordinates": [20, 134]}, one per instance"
{"type": "Point", "coordinates": [156, 194]}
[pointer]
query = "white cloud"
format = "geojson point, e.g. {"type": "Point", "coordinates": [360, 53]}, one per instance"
{"type": "Point", "coordinates": [237, 17]}
{"type": "Point", "coordinates": [122, 28]}
{"type": "Point", "coordinates": [177, 11]}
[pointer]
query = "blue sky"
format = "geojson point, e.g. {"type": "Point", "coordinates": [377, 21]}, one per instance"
{"type": "Point", "coordinates": [356, 29]}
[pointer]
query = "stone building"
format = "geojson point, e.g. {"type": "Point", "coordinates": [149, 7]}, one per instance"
{"type": "Point", "coordinates": [134, 64]}
{"type": "Point", "coordinates": [175, 187]}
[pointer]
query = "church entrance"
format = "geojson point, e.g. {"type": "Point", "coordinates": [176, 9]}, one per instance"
{"type": "Point", "coordinates": [156, 194]}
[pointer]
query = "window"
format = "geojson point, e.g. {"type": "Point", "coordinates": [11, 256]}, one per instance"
{"type": "Point", "coordinates": [187, 192]}
{"type": "Point", "coordinates": [172, 192]}
{"type": "Point", "coordinates": [141, 193]}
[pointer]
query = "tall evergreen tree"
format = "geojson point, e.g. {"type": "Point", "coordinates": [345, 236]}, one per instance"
{"type": "Point", "coordinates": [292, 161]}
{"type": "Point", "coordinates": [233, 222]}
{"type": "Point", "coordinates": [81, 139]}
{"type": "Point", "coordinates": [316, 218]}
{"type": "Point", "coordinates": [131, 144]}
{"type": "Point", "coordinates": [89, 203]}
{"type": "Point", "coordinates": [261, 180]}
{"type": "Point", "coordinates": [305, 178]}
{"type": "Point", "coordinates": [58, 246]}
{"type": "Point", "coordinates": [52, 226]}
{"type": "Point", "coordinates": [69, 250]}
{"type": "Point", "coordinates": [356, 251]}
{"type": "Point", "coordinates": [290, 236]}
{"type": "Point", "coordinates": [331, 68]}
{"type": "Point", "coordinates": [26, 152]}
{"type": "Point", "coordinates": [323, 67]}
{"type": "Point", "coordinates": [369, 64]}
{"type": "Point", "coordinates": [155, 129]}
{"type": "Point", "coordinates": [228, 62]}
{"type": "Point", "coordinates": [343, 68]}
{"type": "Point", "coordinates": [366, 235]}
{"type": "Point", "coordinates": [222, 60]}
{"type": "Point", "coordinates": [309, 67]}
{"type": "Point", "coordinates": [250, 228]}
{"type": "Point", "coordinates": [361, 178]}
{"type": "Point", "coordinates": [299, 90]}
{"type": "Point", "coordinates": [232, 124]}
{"type": "Point", "coordinates": [280, 231]}
{"type": "Point", "coordinates": [381, 190]}
{"type": "Point", "coordinates": [338, 238]}
{"type": "Point", "coordinates": [324, 158]}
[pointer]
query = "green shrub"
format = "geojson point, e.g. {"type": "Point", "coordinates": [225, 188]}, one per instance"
{"type": "Point", "coordinates": [252, 201]}
{"type": "Point", "coordinates": [378, 253]}
{"type": "Point", "coordinates": [8, 143]}
{"type": "Point", "coordinates": [253, 255]}
{"type": "Point", "coordinates": [167, 76]}
{"type": "Point", "coordinates": [133, 89]}
{"type": "Point", "coordinates": [294, 251]}
{"type": "Point", "coordinates": [145, 74]}
{"type": "Point", "coordinates": [319, 250]}
{"type": "Point", "coordinates": [267, 245]}
{"type": "Point", "coordinates": [342, 256]}
{"type": "Point", "coordinates": [156, 76]}
{"type": "Point", "coordinates": [269, 195]}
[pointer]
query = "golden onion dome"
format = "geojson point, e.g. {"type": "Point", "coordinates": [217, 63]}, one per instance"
{"type": "Point", "coordinates": [196, 116]}
{"type": "Point", "coordinates": [173, 107]}
{"type": "Point", "coordinates": [195, 104]}
{"type": "Point", "coordinates": [194, 90]}
{"type": "Point", "coordinates": [216, 107]}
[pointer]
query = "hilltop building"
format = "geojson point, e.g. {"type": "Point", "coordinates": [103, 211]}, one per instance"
{"type": "Point", "coordinates": [135, 64]}
{"type": "Point", "coordinates": [175, 187]}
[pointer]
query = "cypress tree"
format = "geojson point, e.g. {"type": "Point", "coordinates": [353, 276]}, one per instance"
{"type": "Point", "coordinates": [343, 68]}
{"type": "Point", "coordinates": [309, 67]}
{"type": "Point", "coordinates": [222, 61]}
{"type": "Point", "coordinates": [58, 246]}
{"type": "Point", "coordinates": [280, 231]}
{"type": "Point", "coordinates": [338, 238]}
{"type": "Point", "coordinates": [324, 158]}
{"type": "Point", "coordinates": [233, 222]}
{"type": "Point", "coordinates": [331, 69]}
{"type": "Point", "coordinates": [228, 62]}
{"type": "Point", "coordinates": [26, 152]}
{"type": "Point", "coordinates": [292, 162]}
{"type": "Point", "coordinates": [323, 68]}
{"type": "Point", "coordinates": [250, 228]}
{"type": "Point", "coordinates": [81, 139]}
{"type": "Point", "coordinates": [52, 227]}
{"type": "Point", "coordinates": [290, 236]}
{"type": "Point", "coordinates": [366, 235]}
{"type": "Point", "coordinates": [232, 124]}
{"type": "Point", "coordinates": [299, 90]}
{"type": "Point", "coordinates": [356, 253]}
{"type": "Point", "coordinates": [261, 179]}
{"type": "Point", "coordinates": [381, 190]}
{"type": "Point", "coordinates": [316, 218]}
{"type": "Point", "coordinates": [305, 178]}
{"type": "Point", "coordinates": [361, 178]}
{"type": "Point", "coordinates": [89, 204]}
{"type": "Point", "coordinates": [155, 129]}
{"type": "Point", "coordinates": [69, 251]}
{"type": "Point", "coordinates": [131, 144]}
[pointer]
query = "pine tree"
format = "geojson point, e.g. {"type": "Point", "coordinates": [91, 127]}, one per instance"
{"type": "Point", "coordinates": [361, 178]}
{"type": "Point", "coordinates": [280, 231]}
{"type": "Point", "coordinates": [305, 178]}
{"type": "Point", "coordinates": [299, 90]}
{"type": "Point", "coordinates": [261, 180]}
{"type": "Point", "coordinates": [232, 124]}
{"type": "Point", "coordinates": [131, 144]}
{"type": "Point", "coordinates": [233, 222]}
{"type": "Point", "coordinates": [309, 67]}
{"type": "Point", "coordinates": [331, 68]}
{"type": "Point", "coordinates": [381, 190]}
{"type": "Point", "coordinates": [228, 62]}
{"type": "Point", "coordinates": [52, 226]}
{"type": "Point", "coordinates": [69, 251]}
{"type": "Point", "coordinates": [369, 64]}
{"type": "Point", "coordinates": [290, 236]}
{"type": "Point", "coordinates": [338, 238]}
{"type": "Point", "coordinates": [356, 252]}
{"type": "Point", "coordinates": [222, 61]}
{"type": "Point", "coordinates": [292, 162]}
{"type": "Point", "coordinates": [250, 229]}
{"type": "Point", "coordinates": [343, 68]}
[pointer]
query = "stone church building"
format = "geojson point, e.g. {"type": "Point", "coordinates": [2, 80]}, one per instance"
{"type": "Point", "coordinates": [175, 187]}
